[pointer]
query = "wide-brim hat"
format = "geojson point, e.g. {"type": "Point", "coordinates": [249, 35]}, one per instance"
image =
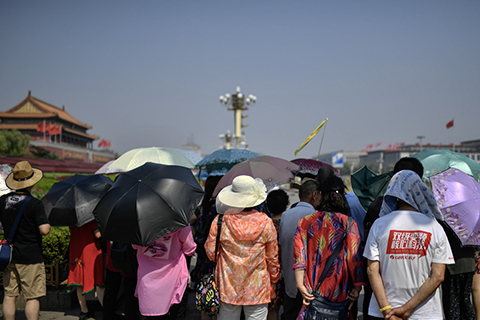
{"type": "Point", "coordinates": [23, 176]}
{"type": "Point", "coordinates": [244, 192]}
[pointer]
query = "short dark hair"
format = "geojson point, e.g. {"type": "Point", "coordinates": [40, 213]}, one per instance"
{"type": "Point", "coordinates": [277, 201]}
{"type": "Point", "coordinates": [408, 163]}
{"type": "Point", "coordinates": [307, 188]}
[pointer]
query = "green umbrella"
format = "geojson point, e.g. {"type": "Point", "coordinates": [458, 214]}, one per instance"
{"type": "Point", "coordinates": [368, 185]}
{"type": "Point", "coordinates": [436, 161]}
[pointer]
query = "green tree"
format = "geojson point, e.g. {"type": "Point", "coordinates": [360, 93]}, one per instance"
{"type": "Point", "coordinates": [13, 142]}
{"type": "Point", "coordinates": [39, 152]}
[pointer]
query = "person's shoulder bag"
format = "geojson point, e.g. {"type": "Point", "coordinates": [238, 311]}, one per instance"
{"type": "Point", "coordinates": [207, 298]}
{"type": "Point", "coordinates": [320, 308]}
{"type": "Point", "coordinates": [6, 249]}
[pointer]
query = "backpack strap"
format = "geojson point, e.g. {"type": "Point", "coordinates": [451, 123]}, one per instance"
{"type": "Point", "coordinates": [219, 230]}
{"type": "Point", "coordinates": [329, 263]}
{"type": "Point", "coordinates": [17, 219]}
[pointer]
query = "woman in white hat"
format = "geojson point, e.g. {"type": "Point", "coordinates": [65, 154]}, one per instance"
{"type": "Point", "coordinates": [247, 259]}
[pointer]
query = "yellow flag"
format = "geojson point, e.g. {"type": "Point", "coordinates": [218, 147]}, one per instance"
{"type": "Point", "coordinates": [310, 136]}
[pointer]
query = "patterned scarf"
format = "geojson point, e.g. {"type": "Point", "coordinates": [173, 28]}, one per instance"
{"type": "Point", "coordinates": [406, 185]}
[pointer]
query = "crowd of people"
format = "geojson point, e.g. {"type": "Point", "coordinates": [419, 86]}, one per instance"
{"type": "Point", "coordinates": [271, 261]}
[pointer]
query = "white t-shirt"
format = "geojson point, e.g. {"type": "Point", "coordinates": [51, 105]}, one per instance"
{"type": "Point", "coordinates": [406, 243]}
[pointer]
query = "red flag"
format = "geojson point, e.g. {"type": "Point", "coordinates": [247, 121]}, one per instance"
{"type": "Point", "coordinates": [41, 126]}
{"type": "Point", "coordinates": [53, 130]}
{"type": "Point", "coordinates": [428, 144]}
{"type": "Point", "coordinates": [378, 144]}
{"type": "Point", "coordinates": [439, 145]}
{"type": "Point", "coordinates": [450, 124]}
{"type": "Point", "coordinates": [450, 145]}
{"type": "Point", "coordinates": [107, 144]}
{"type": "Point", "coordinates": [101, 143]}
{"type": "Point", "coordinates": [48, 128]}
{"type": "Point", "coordinates": [369, 146]}
{"type": "Point", "coordinates": [59, 129]}
{"type": "Point", "coordinates": [402, 144]}
{"type": "Point", "coordinates": [417, 144]}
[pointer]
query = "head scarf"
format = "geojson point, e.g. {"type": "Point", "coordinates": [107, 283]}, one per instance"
{"type": "Point", "coordinates": [407, 186]}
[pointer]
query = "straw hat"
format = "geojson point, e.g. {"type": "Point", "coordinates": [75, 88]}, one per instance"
{"type": "Point", "coordinates": [245, 192]}
{"type": "Point", "coordinates": [23, 176]}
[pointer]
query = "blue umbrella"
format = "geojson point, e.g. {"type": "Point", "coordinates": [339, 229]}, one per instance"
{"type": "Point", "coordinates": [223, 160]}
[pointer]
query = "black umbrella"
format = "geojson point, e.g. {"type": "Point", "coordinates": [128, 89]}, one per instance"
{"type": "Point", "coordinates": [147, 203]}
{"type": "Point", "coordinates": [71, 202]}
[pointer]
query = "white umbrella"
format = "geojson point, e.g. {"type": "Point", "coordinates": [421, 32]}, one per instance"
{"type": "Point", "coordinates": [105, 169]}
{"type": "Point", "coordinates": [136, 157]}
{"type": "Point", "coordinates": [5, 170]}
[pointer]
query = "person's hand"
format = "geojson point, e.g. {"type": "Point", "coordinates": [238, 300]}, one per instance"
{"type": "Point", "coordinates": [307, 297]}
{"type": "Point", "coordinates": [353, 296]}
{"type": "Point", "coordinates": [397, 313]}
{"type": "Point", "coordinates": [274, 286]}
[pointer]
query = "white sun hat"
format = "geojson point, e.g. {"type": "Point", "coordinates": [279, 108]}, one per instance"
{"type": "Point", "coordinates": [245, 192]}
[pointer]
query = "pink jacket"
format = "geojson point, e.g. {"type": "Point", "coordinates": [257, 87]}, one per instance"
{"type": "Point", "coordinates": [163, 271]}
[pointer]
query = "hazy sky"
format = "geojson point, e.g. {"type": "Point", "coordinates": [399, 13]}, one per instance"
{"type": "Point", "coordinates": [149, 73]}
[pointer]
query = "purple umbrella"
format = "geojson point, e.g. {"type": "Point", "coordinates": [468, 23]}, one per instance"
{"type": "Point", "coordinates": [309, 167]}
{"type": "Point", "coordinates": [458, 197]}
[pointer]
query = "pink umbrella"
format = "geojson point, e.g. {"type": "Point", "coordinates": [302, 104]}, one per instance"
{"type": "Point", "coordinates": [458, 197]}
{"type": "Point", "coordinates": [273, 171]}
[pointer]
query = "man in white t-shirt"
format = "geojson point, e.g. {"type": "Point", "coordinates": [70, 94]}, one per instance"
{"type": "Point", "coordinates": [407, 251]}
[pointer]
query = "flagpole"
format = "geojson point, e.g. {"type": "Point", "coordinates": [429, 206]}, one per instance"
{"type": "Point", "coordinates": [321, 142]}
{"type": "Point", "coordinates": [453, 134]}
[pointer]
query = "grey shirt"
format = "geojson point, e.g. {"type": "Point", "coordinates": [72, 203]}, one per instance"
{"type": "Point", "coordinates": [288, 225]}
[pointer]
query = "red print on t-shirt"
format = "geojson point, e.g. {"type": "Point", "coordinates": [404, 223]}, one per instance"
{"type": "Point", "coordinates": [408, 242]}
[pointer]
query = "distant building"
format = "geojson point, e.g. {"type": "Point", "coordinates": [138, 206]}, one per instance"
{"type": "Point", "coordinates": [54, 129]}
{"type": "Point", "coordinates": [342, 157]}
{"type": "Point", "coordinates": [386, 158]}
{"type": "Point", "coordinates": [192, 147]}
{"type": "Point", "coordinates": [389, 157]}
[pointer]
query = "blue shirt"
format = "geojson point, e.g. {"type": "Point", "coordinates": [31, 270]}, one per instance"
{"type": "Point", "coordinates": [356, 211]}
{"type": "Point", "coordinates": [288, 225]}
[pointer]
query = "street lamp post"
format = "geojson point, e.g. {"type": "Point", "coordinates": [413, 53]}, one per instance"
{"type": "Point", "coordinates": [421, 138]}
{"type": "Point", "coordinates": [238, 103]}
{"type": "Point", "coordinates": [227, 138]}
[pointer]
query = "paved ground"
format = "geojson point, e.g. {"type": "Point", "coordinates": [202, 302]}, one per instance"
{"type": "Point", "coordinates": [192, 313]}
{"type": "Point", "coordinates": [72, 314]}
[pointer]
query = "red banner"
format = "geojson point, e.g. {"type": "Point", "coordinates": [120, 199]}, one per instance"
{"type": "Point", "coordinates": [41, 126]}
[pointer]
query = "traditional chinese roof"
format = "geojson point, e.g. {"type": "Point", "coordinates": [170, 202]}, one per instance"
{"type": "Point", "coordinates": [32, 107]}
{"type": "Point", "coordinates": [29, 126]}
{"type": "Point", "coordinates": [91, 136]}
